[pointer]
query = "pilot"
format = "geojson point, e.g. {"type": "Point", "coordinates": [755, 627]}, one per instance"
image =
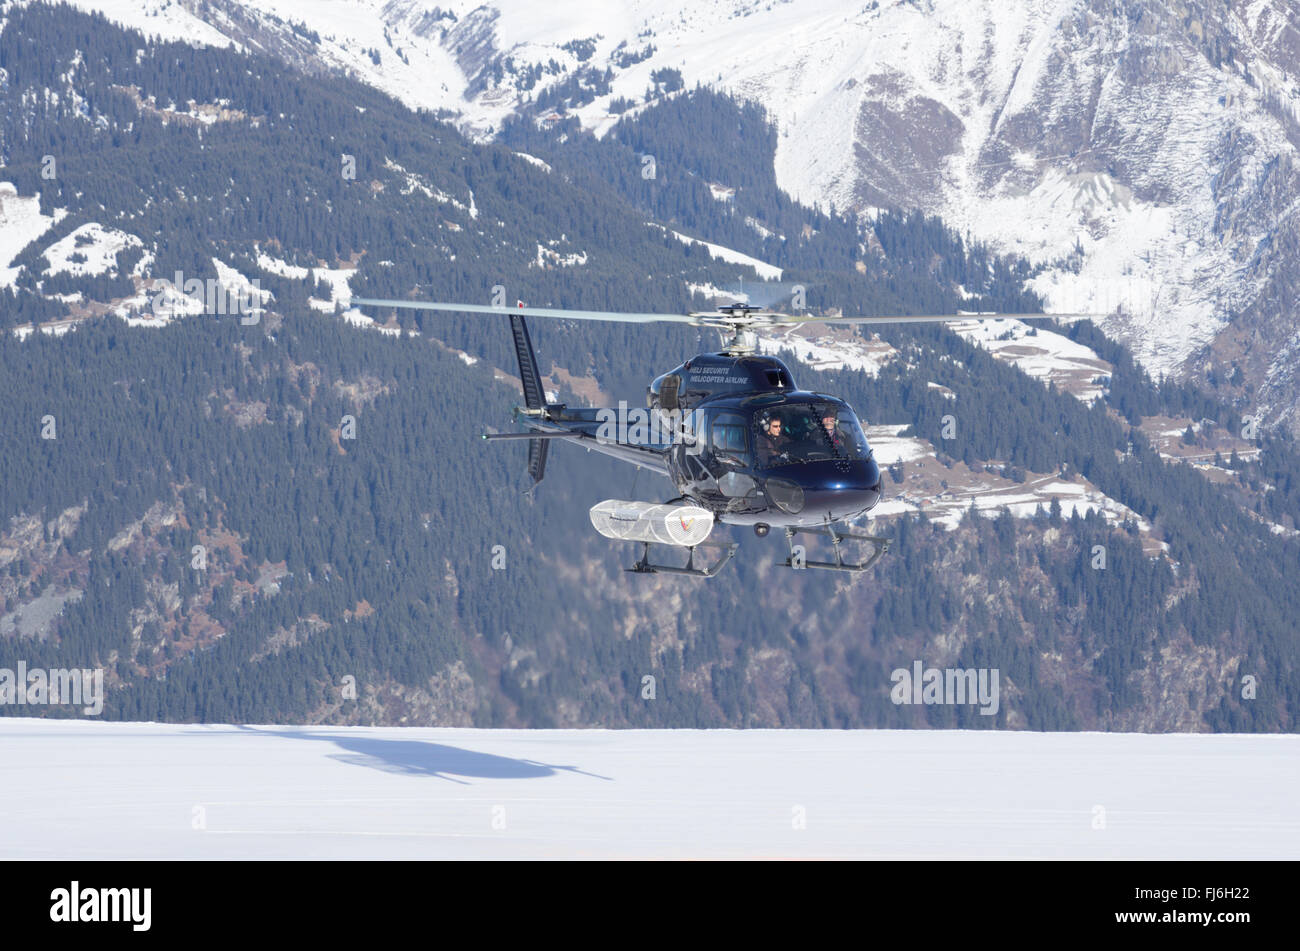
{"type": "Point", "coordinates": [772, 443]}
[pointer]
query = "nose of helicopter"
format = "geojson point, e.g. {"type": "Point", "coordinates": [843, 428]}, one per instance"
{"type": "Point", "coordinates": [835, 491]}
{"type": "Point", "coordinates": [842, 502]}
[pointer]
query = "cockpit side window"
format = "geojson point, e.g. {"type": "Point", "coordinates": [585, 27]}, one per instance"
{"type": "Point", "coordinates": [851, 429]}
{"type": "Point", "coordinates": [727, 435]}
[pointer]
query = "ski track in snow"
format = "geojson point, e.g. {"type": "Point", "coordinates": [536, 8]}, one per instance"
{"type": "Point", "coordinates": [80, 789]}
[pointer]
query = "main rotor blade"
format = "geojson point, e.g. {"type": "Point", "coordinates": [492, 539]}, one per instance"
{"type": "Point", "coordinates": [530, 311]}
{"type": "Point", "coordinates": [929, 318]}
{"type": "Point", "coordinates": [719, 320]}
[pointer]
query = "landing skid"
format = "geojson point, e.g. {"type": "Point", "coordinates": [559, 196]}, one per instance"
{"type": "Point", "coordinates": [644, 567]}
{"type": "Point", "coordinates": [879, 543]}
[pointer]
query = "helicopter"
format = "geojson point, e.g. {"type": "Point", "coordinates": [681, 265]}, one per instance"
{"type": "Point", "coordinates": [740, 441]}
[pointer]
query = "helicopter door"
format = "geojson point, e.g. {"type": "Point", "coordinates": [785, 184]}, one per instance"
{"type": "Point", "coordinates": [697, 472]}
{"type": "Point", "coordinates": [687, 456]}
{"type": "Point", "coordinates": [728, 445]}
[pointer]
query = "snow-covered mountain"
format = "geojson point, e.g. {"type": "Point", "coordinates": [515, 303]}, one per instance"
{"type": "Point", "coordinates": [1143, 151]}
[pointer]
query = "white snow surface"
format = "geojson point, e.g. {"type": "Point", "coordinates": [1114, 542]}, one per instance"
{"type": "Point", "coordinates": [161, 19]}
{"type": "Point", "coordinates": [534, 160]}
{"type": "Point", "coordinates": [830, 350]}
{"type": "Point", "coordinates": [21, 223]}
{"type": "Point", "coordinates": [233, 280]}
{"type": "Point", "coordinates": [889, 446]}
{"type": "Point", "coordinates": [1043, 354]}
{"type": "Point", "coordinates": [335, 277]}
{"type": "Point", "coordinates": [988, 496]}
{"type": "Point", "coordinates": [82, 789]}
{"type": "Point", "coordinates": [768, 272]}
{"type": "Point", "coordinates": [99, 250]}
{"type": "Point", "coordinates": [949, 508]}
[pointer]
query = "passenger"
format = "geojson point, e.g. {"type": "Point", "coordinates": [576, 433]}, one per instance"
{"type": "Point", "coordinates": [833, 432]}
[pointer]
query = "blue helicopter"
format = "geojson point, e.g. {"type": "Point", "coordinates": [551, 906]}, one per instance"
{"type": "Point", "coordinates": [737, 437]}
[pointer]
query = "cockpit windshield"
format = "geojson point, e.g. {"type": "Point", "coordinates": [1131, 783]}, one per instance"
{"type": "Point", "coordinates": [806, 432]}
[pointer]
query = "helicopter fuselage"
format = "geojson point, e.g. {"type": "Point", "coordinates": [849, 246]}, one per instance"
{"type": "Point", "coordinates": [737, 437]}
{"type": "Point", "coordinates": [816, 469]}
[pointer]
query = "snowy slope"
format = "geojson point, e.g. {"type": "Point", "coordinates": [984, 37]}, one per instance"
{"type": "Point", "coordinates": [768, 272]}
{"type": "Point", "coordinates": [85, 789]}
{"type": "Point", "coordinates": [1042, 354]}
{"type": "Point", "coordinates": [21, 223]}
{"type": "Point", "coordinates": [160, 19]}
{"type": "Point", "coordinates": [91, 249]}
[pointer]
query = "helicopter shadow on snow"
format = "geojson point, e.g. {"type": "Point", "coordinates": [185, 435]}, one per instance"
{"type": "Point", "coordinates": [421, 758]}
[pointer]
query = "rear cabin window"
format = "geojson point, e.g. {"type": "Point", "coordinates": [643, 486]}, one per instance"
{"type": "Point", "coordinates": [728, 433]}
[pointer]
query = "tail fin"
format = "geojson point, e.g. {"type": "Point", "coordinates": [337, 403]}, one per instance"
{"type": "Point", "coordinates": [537, 450]}
{"type": "Point", "coordinates": [534, 392]}
{"type": "Point", "coordinates": [529, 375]}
